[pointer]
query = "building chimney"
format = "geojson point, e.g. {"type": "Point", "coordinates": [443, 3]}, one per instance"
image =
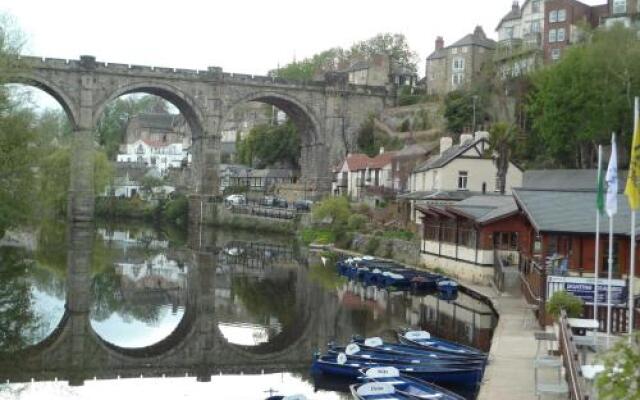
{"type": "Point", "coordinates": [439, 43]}
{"type": "Point", "coordinates": [466, 137]}
{"type": "Point", "coordinates": [445, 144]}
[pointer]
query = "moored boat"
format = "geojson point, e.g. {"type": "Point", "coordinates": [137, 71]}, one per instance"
{"type": "Point", "coordinates": [403, 384]}
{"type": "Point", "coordinates": [423, 339]}
{"type": "Point", "coordinates": [341, 365]}
{"type": "Point", "coordinates": [376, 391]}
{"type": "Point", "coordinates": [377, 344]}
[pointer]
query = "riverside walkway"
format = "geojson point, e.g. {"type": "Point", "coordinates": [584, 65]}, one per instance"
{"type": "Point", "coordinates": [509, 374]}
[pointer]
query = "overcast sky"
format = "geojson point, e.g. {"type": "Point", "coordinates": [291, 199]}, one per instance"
{"type": "Point", "coordinates": [246, 36]}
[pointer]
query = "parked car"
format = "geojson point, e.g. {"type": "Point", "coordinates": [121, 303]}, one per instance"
{"type": "Point", "coordinates": [282, 203]}
{"type": "Point", "coordinates": [235, 199]}
{"type": "Point", "coordinates": [303, 205]}
{"type": "Point", "coordinates": [267, 201]}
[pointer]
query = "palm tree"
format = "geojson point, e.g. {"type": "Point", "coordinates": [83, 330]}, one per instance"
{"type": "Point", "coordinates": [502, 140]}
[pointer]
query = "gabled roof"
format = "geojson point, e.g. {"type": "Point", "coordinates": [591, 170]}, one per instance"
{"type": "Point", "coordinates": [514, 13]}
{"type": "Point", "coordinates": [381, 160]}
{"type": "Point", "coordinates": [486, 208]}
{"type": "Point", "coordinates": [438, 54]}
{"type": "Point", "coordinates": [477, 38]}
{"type": "Point", "coordinates": [439, 195]}
{"type": "Point", "coordinates": [569, 211]}
{"type": "Point", "coordinates": [357, 161]}
{"type": "Point", "coordinates": [453, 152]}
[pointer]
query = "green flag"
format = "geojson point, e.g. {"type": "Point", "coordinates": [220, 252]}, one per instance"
{"type": "Point", "coordinates": [600, 198]}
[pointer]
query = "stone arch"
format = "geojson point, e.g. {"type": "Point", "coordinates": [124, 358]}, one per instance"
{"type": "Point", "coordinates": [177, 337]}
{"type": "Point", "coordinates": [183, 102]}
{"type": "Point", "coordinates": [307, 122]}
{"type": "Point", "coordinates": [68, 105]}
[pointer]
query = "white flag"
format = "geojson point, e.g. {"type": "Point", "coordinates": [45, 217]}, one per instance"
{"type": "Point", "coordinates": [612, 180]}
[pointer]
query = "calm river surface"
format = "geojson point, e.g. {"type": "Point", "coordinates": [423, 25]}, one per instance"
{"type": "Point", "coordinates": [125, 310]}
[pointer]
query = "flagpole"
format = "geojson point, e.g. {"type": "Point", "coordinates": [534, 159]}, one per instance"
{"type": "Point", "coordinates": [612, 210]}
{"type": "Point", "coordinates": [597, 255]}
{"type": "Point", "coordinates": [632, 263]}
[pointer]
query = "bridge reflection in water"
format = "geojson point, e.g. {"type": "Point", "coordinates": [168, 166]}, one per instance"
{"type": "Point", "coordinates": [223, 304]}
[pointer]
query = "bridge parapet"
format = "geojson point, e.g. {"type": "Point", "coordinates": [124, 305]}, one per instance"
{"type": "Point", "coordinates": [210, 74]}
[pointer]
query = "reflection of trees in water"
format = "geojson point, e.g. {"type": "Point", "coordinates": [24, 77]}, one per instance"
{"type": "Point", "coordinates": [19, 324]}
{"type": "Point", "coordinates": [109, 298]}
{"type": "Point", "coordinates": [267, 298]}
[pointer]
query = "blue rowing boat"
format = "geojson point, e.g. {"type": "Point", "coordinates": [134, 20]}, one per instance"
{"type": "Point", "coordinates": [341, 365]}
{"type": "Point", "coordinates": [377, 344]}
{"type": "Point", "coordinates": [377, 391]}
{"type": "Point", "coordinates": [354, 352]}
{"type": "Point", "coordinates": [424, 340]}
{"type": "Point", "coordinates": [406, 385]}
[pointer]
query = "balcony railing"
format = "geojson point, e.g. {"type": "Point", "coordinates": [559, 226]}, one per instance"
{"type": "Point", "coordinates": [516, 47]}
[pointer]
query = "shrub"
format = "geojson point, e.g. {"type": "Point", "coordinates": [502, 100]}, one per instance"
{"type": "Point", "coordinates": [176, 210]}
{"type": "Point", "coordinates": [620, 378]}
{"type": "Point", "coordinates": [357, 221]}
{"type": "Point", "coordinates": [405, 126]}
{"type": "Point", "coordinates": [334, 208]}
{"type": "Point", "coordinates": [563, 300]}
{"type": "Point", "coordinates": [372, 246]}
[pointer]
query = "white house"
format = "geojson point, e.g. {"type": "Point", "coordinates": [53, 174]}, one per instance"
{"type": "Point", "coordinates": [458, 172]}
{"type": "Point", "coordinates": [159, 155]}
{"type": "Point", "coordinates": [359, 172]}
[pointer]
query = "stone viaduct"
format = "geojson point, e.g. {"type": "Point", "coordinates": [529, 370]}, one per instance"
{"type": "Point", "coordinates": [327, 114]}
{"type": "Point", "coordinates": [74, 352]}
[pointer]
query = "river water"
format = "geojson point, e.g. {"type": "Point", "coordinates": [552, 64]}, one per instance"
{"type": "Point", "coordinates": [108, 310]}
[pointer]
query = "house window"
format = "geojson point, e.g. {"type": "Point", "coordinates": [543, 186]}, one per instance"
{"type": "Point", "coordinates": [555, 54]}
{"type": "Point", "coordinates": [508, 32]}
{"type": "Point", "coordinates": [458, 64]}
{"type": "Point", "coordinates": [619, 6]}
{"type": "Point", "coordinates": [553, 35]}
{"type": "Point", "coordinates": [535, 6]}
{"type": "Point", "coordinates": [454, 50]}
{"type": "Point", "coordinates": [561, 35]}
{"type": "Point", "coordinates": [462, 180]}
{"type": "Point", "coordinates": [535, 27]}
{"type": "Point", "coordinates": [553, 16]}
{"type": "Point", "coordinates": [562, 15]}
{"type": "Point", "coordinates": [457, 79]}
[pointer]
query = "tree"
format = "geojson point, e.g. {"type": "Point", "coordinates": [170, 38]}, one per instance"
{"type": "Point", "coordinates": [113, 124]}
{"type": "Point", "coordinates": [458, 110]}
{"type": "Point", "coordinates": [576, 103]}
{"type": "Point", "coordinates": [394, 45]}
{"type": "Point", "coordinates": [502, 140]}
{"type": "Point", "coordinates": [335, 209]}
{"type": "Point", "coordinates": [267, 145]}
{"type": "Point", "coordinates": [620, 379]}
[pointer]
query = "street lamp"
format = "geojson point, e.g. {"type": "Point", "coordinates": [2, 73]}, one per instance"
{"type": "Point", "coordinates": [473, 127]}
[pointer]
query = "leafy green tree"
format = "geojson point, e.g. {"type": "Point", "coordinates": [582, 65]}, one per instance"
{"type": "Point", "coordinates": [502, 140]}
{"type": "Point", "coordinates": [54, 178]}
{"type": "Point", "coordinates": [112, 125]}
{"type": "Point", "coordinates": [620, 379]}
{"type": "Point", "coordinates": [576, 103]}
{"type": "Point", "coordinates": [335, 209]}
{"type": "Point", "coordinates": [267, 145]}
{"type": "Point", "coordinates": [394, 45]}
{"type": "Point", "coordinates": [458, 110]}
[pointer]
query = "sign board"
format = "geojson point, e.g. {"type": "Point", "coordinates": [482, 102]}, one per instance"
{"type": "Point", "coordinates": [583, 288]}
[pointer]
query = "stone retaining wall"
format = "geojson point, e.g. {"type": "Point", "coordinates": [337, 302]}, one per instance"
{"type": "Point", "coordinates": [403, 251]}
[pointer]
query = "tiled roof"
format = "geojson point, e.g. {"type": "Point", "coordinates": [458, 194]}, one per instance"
{"type": "Point", "coordinates": [440, 195]}
{"type": "Point", "coordinates": [514, 13]}
{"type": "Point", "coordinates": [487, 208]}
{"type": "Point", "coordinates": [447, 156]}
{"type": "Point", "coordinates": [357, 161]}
{"type": "Point", "coordinates": [477, 38]}
{"type": "Point", "coordinates": [438, 54]}
{"type": "Point", "coordinates": [570, 211]}
{"type": "Point", "coordinates": [381, 160]}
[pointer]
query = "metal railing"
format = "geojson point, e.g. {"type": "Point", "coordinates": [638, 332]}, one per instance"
{"type": "Point", "coordinates": [498, 271]}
